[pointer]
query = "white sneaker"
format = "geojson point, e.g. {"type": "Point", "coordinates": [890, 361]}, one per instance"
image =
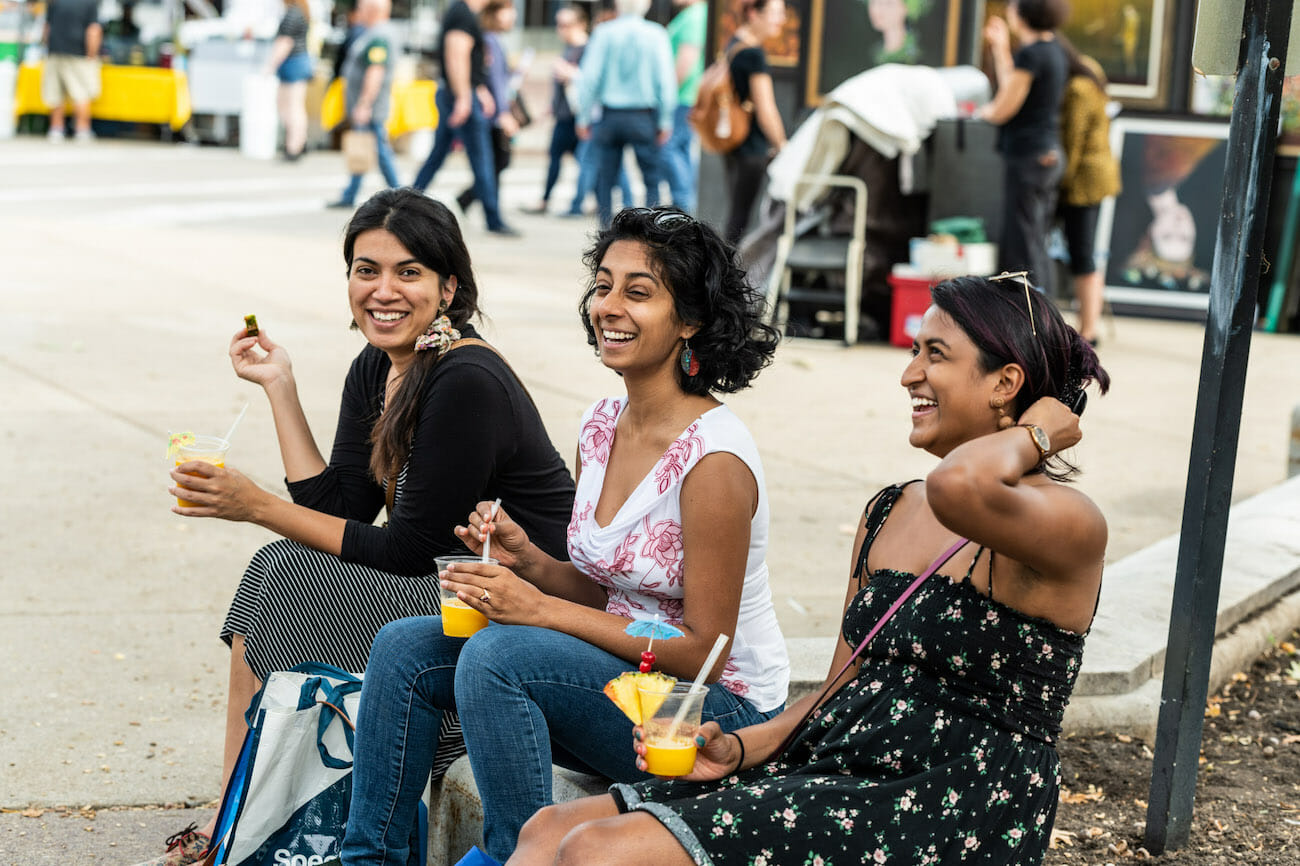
{"type": "Point", "coordinates": [54, 135]}
{"type": "Point", "coordinates": [84, 135]}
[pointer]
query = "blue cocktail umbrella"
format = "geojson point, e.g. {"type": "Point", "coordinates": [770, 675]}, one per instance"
{"type": "Point", "coordinates": [651, 628]}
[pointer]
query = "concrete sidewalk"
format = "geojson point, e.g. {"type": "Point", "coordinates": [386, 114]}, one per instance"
{"type": "Point", "coordinates": [129, 266]}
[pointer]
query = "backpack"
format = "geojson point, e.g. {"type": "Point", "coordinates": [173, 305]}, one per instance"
{"type": "Point", "coordinates": [718, 117]}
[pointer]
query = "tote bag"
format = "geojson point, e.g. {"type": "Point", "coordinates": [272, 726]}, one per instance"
{"type": "Point", "coordinates": [288, 798]}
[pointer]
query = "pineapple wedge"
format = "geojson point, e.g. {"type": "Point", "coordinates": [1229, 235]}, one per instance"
{"type": "Point", "coordinates": [623, 690]}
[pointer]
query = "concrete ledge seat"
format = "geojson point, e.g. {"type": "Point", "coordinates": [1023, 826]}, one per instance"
{"type": "Point", "coordinates": [1119, 686]}
{"type": "Point", "coordinates": [456, 814]}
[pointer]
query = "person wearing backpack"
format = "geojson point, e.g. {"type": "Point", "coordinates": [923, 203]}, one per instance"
{"type": "Point", "coordinates": [746, 165]}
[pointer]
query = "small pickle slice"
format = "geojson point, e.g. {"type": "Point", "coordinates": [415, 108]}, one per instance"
{"type": "Point", "coordinates": [250, 325]}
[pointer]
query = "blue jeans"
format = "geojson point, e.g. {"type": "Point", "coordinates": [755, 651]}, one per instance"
{"type": "Point", "coordinates": [619, 128]}
{"type": "Point", "coordinates": [528, 697]}
{"type": "Point", "coordinates": [679, 163]}
{"type": "Point", "coordinates": [475, 135]}
{"type": "Point", "coordinates": [587, 177]}
{"type": "Point", "coordinates": [386, 165]}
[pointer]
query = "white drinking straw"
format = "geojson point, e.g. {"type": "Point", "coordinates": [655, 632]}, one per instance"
{"type": "Point", "coordinates": [238, 418]}
{"type": "Point", "coordinates": [487, 539]}
{"type": "Point", "coordinates": [698, 685]}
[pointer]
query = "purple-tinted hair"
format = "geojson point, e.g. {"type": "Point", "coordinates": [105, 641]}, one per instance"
{"type": "Point", "coordinates": [1058, 363]}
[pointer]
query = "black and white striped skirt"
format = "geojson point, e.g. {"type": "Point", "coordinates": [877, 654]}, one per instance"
{"type": "Point", "coordinates": [296, 604]}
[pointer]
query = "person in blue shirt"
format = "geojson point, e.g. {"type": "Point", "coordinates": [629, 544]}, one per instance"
{"type": "Point", "coordinates": [627, 73]}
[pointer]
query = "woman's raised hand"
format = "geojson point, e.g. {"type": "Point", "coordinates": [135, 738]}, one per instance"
{"type": "Point", "coordinates": [509, 541]}
{"type": "Point", "coordinates": [263, 367]}
{"type": "Point", "coordinates": [716, 753]}
{"type": "Point", "coordinates": [1058, 422]}
{"type": "Point", "coordinates": [996, 33]}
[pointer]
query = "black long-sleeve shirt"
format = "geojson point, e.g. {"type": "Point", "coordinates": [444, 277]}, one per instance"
{"type": "Point", "coordinates": [478, 437]}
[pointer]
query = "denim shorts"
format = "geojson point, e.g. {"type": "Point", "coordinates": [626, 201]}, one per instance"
{"type": "Point", "coordinates": [295, 68]}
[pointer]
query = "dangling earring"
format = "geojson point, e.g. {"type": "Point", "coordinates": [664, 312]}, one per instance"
{"type": "Point", "coordinates": [690, 363]}
{"type": "Point", "coordinates": [1003, 420]}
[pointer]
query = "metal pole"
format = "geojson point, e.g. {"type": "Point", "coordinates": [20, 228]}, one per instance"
{"type": "Point", "coordinates": [1234, 284]}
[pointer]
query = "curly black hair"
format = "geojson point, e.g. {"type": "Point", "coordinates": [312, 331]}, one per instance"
{"type": "Point", "coordinates": [710, 290]}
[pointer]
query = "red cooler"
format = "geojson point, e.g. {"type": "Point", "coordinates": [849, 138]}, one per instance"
{"type": "Point", "coordinates": [911, 298]}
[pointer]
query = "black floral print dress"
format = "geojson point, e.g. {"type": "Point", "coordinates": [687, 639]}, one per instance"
{"type": "Point", "coordinates": [940, 751]}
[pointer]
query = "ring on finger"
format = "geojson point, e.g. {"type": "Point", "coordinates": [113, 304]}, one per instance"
{"type": "Point", "coordinates": [486, 597]}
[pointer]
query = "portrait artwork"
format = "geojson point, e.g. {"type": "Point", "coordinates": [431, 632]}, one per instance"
{"type": "Point", "coordinates": [1130, 39]}
{"type": "Point", "coordinates": [1160, 231]}
{"type": "Point", "coordinates": [852, 36]}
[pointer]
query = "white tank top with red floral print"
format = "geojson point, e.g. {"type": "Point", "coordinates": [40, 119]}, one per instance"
{"type": "Point", "coordinates": [639, 558]}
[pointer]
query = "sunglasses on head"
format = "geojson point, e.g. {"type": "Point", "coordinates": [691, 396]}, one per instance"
{"type": "Point", "coordinates": [1023, 276]}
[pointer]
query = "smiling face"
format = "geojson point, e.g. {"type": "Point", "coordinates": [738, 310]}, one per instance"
{"type": "Point", "coordinates": [393, 297]}
{"type": "Point", "coordinates": [634, 314]}
{"type": "Point", "coordinates": [949, 390]}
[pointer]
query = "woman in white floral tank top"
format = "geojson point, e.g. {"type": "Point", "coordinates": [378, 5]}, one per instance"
{"type": "Point", "coordinates": [670, 521]}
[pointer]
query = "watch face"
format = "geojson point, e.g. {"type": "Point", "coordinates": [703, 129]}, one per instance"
{"type": "Point", "coordinates": [1040, 439]}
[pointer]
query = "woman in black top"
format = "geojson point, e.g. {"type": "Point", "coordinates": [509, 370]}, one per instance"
{"type": "Point", "coordinates": [747, 164]}
{"type": "Point", "coordinates": [443, 425]}
{"type": "Point", "coordinates": [1028, 108]}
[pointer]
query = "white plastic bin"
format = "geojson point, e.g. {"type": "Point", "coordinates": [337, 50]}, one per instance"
{"type": "Point", "coordinates": [8, 83]}
{"type": "Point", "coordinates": [258, 119]}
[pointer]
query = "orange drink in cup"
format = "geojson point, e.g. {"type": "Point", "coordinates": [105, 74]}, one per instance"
{"type": "Point", "coordinates": [209, 449]}
{"type": "Point", "coordinates": [458, 618]}
{"type": "Point", "coordinates": [670, 720]}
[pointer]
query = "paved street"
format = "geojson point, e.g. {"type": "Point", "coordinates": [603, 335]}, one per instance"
{"type": "Point", "coordinates": [128, 265]}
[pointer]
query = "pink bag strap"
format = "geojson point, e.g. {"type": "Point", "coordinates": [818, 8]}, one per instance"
{"type": "Point", "coordinates": [938, 563]}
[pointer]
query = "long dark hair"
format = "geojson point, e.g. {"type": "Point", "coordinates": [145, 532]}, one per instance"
{"type": "Point", "coordinates": [1058, 363]}
{"type": "Point", "coordinates": [710, 290]}
{"type": "Point", "coordinates": [432, 236]}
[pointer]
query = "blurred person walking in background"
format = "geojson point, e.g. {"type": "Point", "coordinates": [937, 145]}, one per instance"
{"type": "Point", "coordinates": [686, 35]}
{"type": "Point", "coordinates": [497, 18]}
{"type": "Point", "coordinates": [465, 109]}
{"type": "Point", "coordinates": [1028, 108]}
{"type": "Point", "coordinates": [627, 72]}
{"type": "Point", "coordinates": [571, 24]}
{"type": "Point", "coordinates": [292, 65]}
{"type": "Point", "coordinates": [1091, 176]}
{"type": "Point", "coordinates": [747, 165]}
{"type": "Point", "coordinates": [367, 82]}
{"type": "Point", "coordinates": [72, 37]}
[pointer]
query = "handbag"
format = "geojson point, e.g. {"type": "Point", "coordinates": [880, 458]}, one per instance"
{"type": "Point", "coordinates": [519, 111]}
{"type": "Point", "coordinates": [719, 117]}
{"type": "Point", "coordinates": [880, 623]}
{"type": "Point", "coordinates": [288, 797]}
{"type": "Point", "coordinates": [360, 150]}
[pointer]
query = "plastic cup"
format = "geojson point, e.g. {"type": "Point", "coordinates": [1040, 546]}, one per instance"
{"type": "Point", "coordinates": [209, 449]}
{"type": "Point", "coordinates": [669, 749]}
{"type": "Point", "coordinates": [458, 618]}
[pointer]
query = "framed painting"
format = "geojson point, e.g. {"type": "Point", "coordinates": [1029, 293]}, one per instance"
{"type": "Point", "coordinates": [781, 50]}
{"type": "Point", "coordinates": [846, 37]}
{"type": "Point", "coordinates": [1158, 234]}
{"type": "Point", "coordinates": [1131, 39]}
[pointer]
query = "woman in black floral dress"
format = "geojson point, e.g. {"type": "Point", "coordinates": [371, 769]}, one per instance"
{"type": "Point", "coordinates": [937, 746]}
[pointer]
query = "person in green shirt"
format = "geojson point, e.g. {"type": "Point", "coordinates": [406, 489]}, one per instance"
{"type": "Point", "coordinates": [686, 35]}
